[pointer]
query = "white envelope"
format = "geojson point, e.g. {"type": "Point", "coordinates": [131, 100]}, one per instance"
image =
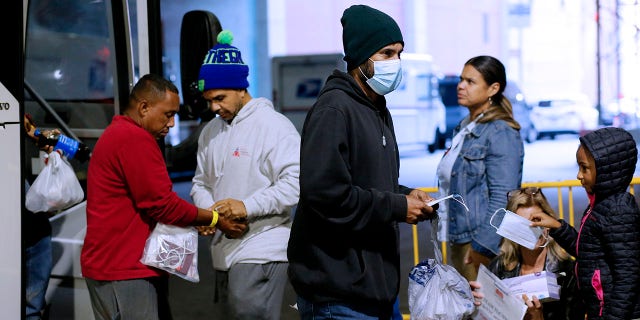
{"type": "Point", "coordinates": [543, 285]}
{"type": "Point", "coordinates": [498, 303]}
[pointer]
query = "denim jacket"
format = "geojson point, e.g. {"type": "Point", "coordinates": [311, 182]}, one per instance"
{"type": "Point", "coordinates": [489, 165]}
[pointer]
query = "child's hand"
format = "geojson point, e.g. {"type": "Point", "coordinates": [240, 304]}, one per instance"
{"type": "Point", "coordinates": [541, 219]}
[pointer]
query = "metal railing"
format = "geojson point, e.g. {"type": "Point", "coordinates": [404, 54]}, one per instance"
{"type": "Point", "coordinates": [558, 185]}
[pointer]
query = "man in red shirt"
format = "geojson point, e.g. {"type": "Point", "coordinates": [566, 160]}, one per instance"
{"type": "Point", "coordinates": [128, 192]}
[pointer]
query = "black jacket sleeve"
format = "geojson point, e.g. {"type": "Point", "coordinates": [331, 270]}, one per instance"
{"type": "Point", "coordinates": [621, 247]}
{"type": "Point", "coordinates": [566, 237]}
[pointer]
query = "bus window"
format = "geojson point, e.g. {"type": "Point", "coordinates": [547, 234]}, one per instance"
{"type": "Point", "coordinates": [70, 61]}
{"type": "Point", "coordinates": [67, 50]}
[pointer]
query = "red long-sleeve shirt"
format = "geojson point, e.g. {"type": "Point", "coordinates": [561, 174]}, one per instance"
{"type": "Point", "coordinates": [128, 191]}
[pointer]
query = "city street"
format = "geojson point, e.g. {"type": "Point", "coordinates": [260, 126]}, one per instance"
{"type": "Point", "coordinates": [545, 160]}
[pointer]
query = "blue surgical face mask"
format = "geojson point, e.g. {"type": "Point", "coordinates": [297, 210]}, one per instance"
{"type": "Point", "coordinates": [387, 75]}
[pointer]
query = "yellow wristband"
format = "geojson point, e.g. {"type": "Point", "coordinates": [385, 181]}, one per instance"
{"type": "Point", "coordinates": [214, 218]}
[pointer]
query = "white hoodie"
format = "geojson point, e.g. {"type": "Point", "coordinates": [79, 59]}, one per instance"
{"type": "Point", "coordinates": [255, 159]}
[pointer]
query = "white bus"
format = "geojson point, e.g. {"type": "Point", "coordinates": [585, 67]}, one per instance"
{"type": "Point", "coordinates": [71, 66]}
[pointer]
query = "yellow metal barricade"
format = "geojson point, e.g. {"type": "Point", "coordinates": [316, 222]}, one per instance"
{"type": "Point", "coordinates": [559, 185]}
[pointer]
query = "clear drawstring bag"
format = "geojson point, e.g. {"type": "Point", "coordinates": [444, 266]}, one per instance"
{"type": "Point", "coordinates": [437, 291]}
{"type": "Point", "coordinates": [56, 187]}
{"type": "Point", "coordinates": [173, 249]}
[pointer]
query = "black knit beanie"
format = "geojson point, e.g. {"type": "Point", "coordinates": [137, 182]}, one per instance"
{"type": "Point", "coordinates": [364, 31]}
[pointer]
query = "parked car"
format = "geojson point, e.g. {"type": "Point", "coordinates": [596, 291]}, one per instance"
{"type": "Point", "coordinates": [624, 112]}
{"type": "Point", "coordinates": [455, 112]}
{"type": "Point", "coordinates": [571, 113]}
{"type": "Point", "coordinates": [521, 111]}
{"type": "Point", "coordinates": [448, 87]}
{"type": "Point", "coordinates": [416, 108]}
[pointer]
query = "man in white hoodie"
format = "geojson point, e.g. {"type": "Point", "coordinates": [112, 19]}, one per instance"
{"type": "Point", "coordinates": [248, 166]}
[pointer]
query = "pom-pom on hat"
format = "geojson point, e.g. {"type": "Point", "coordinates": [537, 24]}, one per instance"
{"type": "Point", "coordinates": [223, 67]}
{"type": "Point", "coordinates": [366, 30]}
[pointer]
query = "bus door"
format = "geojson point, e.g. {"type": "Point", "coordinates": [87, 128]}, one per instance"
{"type": "Point", "coordinates": [81, 58]}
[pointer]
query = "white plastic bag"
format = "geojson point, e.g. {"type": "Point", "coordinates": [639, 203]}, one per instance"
{"type": "Point", "coordinates": [55, 188]}
{"type": "Point", "coordinates": [173, 249]}
{"type": "Point", "coordinates": [438, 291]}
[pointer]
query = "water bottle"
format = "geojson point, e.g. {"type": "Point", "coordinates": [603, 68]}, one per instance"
{"type": "Point", "coordinates": [69, 147]}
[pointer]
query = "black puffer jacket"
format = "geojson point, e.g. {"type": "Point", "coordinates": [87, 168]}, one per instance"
{"type": "Point", "coordinates": [607, 244]}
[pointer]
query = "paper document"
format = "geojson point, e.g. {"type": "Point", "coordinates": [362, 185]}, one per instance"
{"type": "Point", "coordinates": [543, 285]}
{"type": "Point", "coordinates": [498, 303]}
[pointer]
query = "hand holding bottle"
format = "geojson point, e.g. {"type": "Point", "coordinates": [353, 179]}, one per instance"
{"type": "Point", "coordinates": [53, 138]}
{"type": "Point", "coordinates": [30, 129]}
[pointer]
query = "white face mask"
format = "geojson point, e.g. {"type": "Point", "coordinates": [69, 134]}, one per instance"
{"type": "Point", "coordinates": [387, 75]}
{"type": "Point", "coordinates": [518, 229]}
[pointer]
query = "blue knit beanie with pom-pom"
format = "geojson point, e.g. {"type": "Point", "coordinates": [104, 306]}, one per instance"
{"type": "Point", "coordinates": [223, 67]}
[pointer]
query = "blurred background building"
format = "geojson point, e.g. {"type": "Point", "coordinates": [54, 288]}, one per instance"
{"type": "Point", "coordinates": [549, 47]}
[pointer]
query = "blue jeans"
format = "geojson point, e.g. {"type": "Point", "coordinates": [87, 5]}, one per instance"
{"type": "Point", "coordinates": [38, 262]}
{"type": "Point", "coordinates": [341, 311]}
{"type": "Point", "coordinates": [397, 315]}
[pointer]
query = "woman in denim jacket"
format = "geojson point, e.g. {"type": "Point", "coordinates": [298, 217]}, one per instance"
{"type": "Point", "coordinates": [483, 163]}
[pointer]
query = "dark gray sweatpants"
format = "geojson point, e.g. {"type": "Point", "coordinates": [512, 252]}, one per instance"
{"type": "Point", "coordinates": [130, 299]}
{"type": "Point", "coordinates": [252, 291]}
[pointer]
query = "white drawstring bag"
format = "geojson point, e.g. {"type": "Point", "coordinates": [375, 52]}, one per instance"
{"type": "Point", "coordinates": [437, 291]}
{"type": "Point", "coordinates": [56, 187]}
{"type": "Point", "coordinates": [173, 249]}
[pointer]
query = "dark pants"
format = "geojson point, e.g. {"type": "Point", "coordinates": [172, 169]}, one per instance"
{"type": "Point", "coordinates": [144, 299]}
{"type": "Point", "coordinates": [251, 291]}
{"type": "Point", "coordinates": [38, 270]}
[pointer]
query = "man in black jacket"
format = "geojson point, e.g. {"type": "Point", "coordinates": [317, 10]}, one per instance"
{"type": "Point", "coordinates": [344, 246]}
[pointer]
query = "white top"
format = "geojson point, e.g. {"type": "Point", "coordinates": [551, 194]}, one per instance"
{"type": "Point", "coordinates": [255, 159]}
{"type": "Point", "coordinates": [444, 172]}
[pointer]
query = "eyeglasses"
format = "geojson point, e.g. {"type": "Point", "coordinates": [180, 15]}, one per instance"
{"type": "Point", "coordinates": [528, 191]}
